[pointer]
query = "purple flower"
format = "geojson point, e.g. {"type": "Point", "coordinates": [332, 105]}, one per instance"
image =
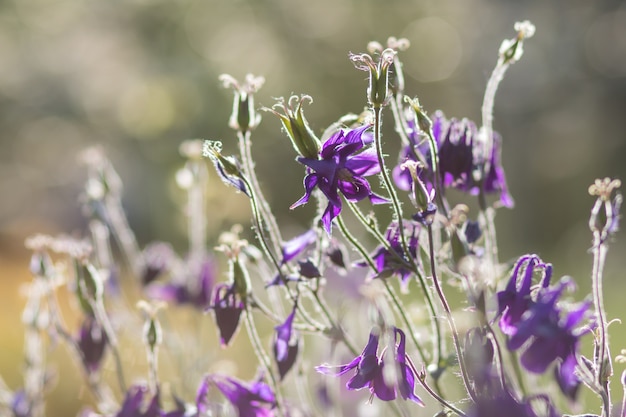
{"type": "Point", "coordinates": [294, 247]}
{"type": "Point", "coordinates": [134, 405]}
{"type": "Point", "coordinates": [551, 337]}
{"type": "Point", "coordinates": [341, 169]}
{"type": "Point", "coordinates": [157, 259]}
{"type": "Point", "coordinates": [286, 345]}
{"type": "Point", "coordinates": [20, 404]}
{"type": "Point", "coordinates": [92, 342]}
{"type": "Point", "coordinates": [227, 308]}
{"type": "Point", "coordinates": [460, 160]}
{"type": "Point", "coordinates": [370, 371]}
{"type": "Point", "coordinates": [195, 291]}
{"type": "Point", "coordinates": [516, 299]}
{"type": "Point", "coordinates": [500, 401]}
{"type": "Point", "coordinates": [387, 263]}
{"type": "Point", "coordinates": [250, 400]}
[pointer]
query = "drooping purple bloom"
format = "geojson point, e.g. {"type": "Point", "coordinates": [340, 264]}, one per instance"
{"type": "Point", "coordinates": [516, 299]}
{"type": "Point", "coordinates": [193, 287]}
{"type": "Point", "coordinates": [294, 247]}
{"type": "Point", "coordinates": [387, 262]}
{"type": "Point", "coordinates": [499, 402]}
{"type": "Point", "coordinates": [551, 336]}
{"type": "Point", "coordinates": [92, 342]}
{"type": "Point", "coordinates": [227, 308]}
{"type": "Point", "coordinates": [20, 404]}
{"type": "Point", "coordinates": [286, 345]}
{"type": "Point", "coordinates": [250, 400]}
{"type": "Point", "coordinates": [460, 160]}
{"type": "Point", "coordinates": [341, 169]}
{"type": "Point", "coordinates": [369, 367]}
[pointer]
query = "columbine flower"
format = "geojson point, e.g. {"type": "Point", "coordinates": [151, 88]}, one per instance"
{"type": "Point", "coordinates": [460, 163]}
{"type": "Point", "coordinates": [286, 345]}
{"type": "Point", "coordinates": [516, 299]}
{"type": "Point", "coordinates": [294, 247]}
{"type": "Point", "coordinates": [551, 337]}
{"type": "Point", "coordinates": [134, 405]}
{"type": "Point", "coordinates": [370, 371]}
{"type": "Point", "coordinates": [250, 400]}
{"type": "Point", "coordinates": [387, 263]}
{"type": "Point", "coordinates": [195, 291]}
{"type": "Point", "coordinates": [341, 169]}
{"type": "Point", "coordinates": [157, 259]}
{"type": "Point", "coordinates": [227, 308]}
{"type": "Point", "coordinates": [92, 342]}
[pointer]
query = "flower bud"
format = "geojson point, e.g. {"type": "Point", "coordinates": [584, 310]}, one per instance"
{"type": "Point", "coordinates": [244, 116]}
{"type": "Point", "coordinates": [378, 89]}
{"type": "Point", "coordinates": [297, 127]}
{"type": "Point", "coordinates": [227, 167]}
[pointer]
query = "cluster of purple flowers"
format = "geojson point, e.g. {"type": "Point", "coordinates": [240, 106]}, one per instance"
{"type": "Point", "coordinates": [533, 320]}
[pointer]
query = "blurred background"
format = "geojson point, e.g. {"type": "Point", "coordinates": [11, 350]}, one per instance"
{"type": "Point", "coordinates": [139, 76]}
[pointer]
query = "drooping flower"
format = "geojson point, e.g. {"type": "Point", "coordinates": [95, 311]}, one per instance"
{"type": "Point", "coordinates": [551, 336]}
{"type": "Point", "coordinates": [461, 162]}
{"type": "Point", "coordinates": [341, 169]}
{"type": "Point", "coordinates": [516, 299]}
{"type": "Point", "coordinates": [92, 342]}
{"type": "Point", "coordinates": [193, 286]}
{"type": "Point", "coordinates": [227, 307]}
{"type": "Point", "coordinates": [387, 262]}
{"type": "Point", "coordinates": [294, 247]}
{"type": "Point", "coordinates": [138, 404]}
{"type": "Point", "coordinates": [254, 399]}
{"type": "Point", "coordinates": [286, 345]}
{"type": "Point", "coordinates": [369, 367]}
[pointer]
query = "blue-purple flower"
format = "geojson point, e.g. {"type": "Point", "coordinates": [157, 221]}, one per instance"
{"type": "Point", "coordinates": [286, 345]}
{"type": "Point", "coordinates": [194, 287]}
{"type": "Point", "coordinates": [227, 307]}
{"type": "Point", "coordinates": [461, 162]}
{"type": "Point", "coordinates": [369, 371]}
{"type": "Point", "coordinates": [516, 298]}
{"type": "Point", "coordinates": [92, 342]}
{"type": "Point", "coordinates": [294, 247]}
{"type": "Point", "coordinates": [254, 399]}
{"type": "Point", "coordinates": [138, 404]}
{"type": "Point", "coordinates": [533, 320]}
{"type": "Point", "coordinates": [341, 169]}
{"type": "Point", "coordinates": [387, 262]}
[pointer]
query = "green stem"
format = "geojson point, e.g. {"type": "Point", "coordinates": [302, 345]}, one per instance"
{"type": "Point", "coordinates": [265, 360]}
{"type": "Point", "coordinates": [453, 329]}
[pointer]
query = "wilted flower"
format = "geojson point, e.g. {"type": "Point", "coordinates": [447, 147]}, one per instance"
{"type": "Point", "coordinates": [92, 342]}
{"type": "Point", "coordinates": [286, 345]}
{"type": "Point", "coordinates": [341, 169]}
{"type": "Point", "coordinates": [370, 371]}
{"type": "Point", "coordinates": [227, 308]}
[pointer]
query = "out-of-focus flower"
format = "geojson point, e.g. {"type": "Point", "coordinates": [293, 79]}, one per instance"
{"type": "Point", "coordinates": [369, 367]}
{"type": "Point", "coordinates": [286, 345]}
{"type": "Point", "coordinates": [92, 342]}
{"type": "Point", "coordinates": [193, 287]}
{"type": "Point", "coordinates": [227, 307]}
{"type": "Point", "coordinates": [341, 169]}
{"type": "Point", "coordinates": [387, 263]}
{"type": "Point", "coordinates": [294, 247]}
{"type": "Point", "coordinates": [254, 399]}
{"type": "Point", "coordinates": [136, 404]}
{"type": "Point", "coordinates": [157, 260]}
{"type": "Point", "coordinates": [500, 402]}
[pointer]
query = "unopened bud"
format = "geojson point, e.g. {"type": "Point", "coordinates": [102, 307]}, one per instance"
{"type": "Point", "coordinates": [297, 127]}
{"type": "Point", "coordinates": [244, 116]}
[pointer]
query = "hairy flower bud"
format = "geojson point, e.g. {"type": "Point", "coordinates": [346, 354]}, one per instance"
{"type": "Point", "coordinates": [378, 89]}
{"type": "Point", "coordinates": [244, 116]}
{"type": "Point", "coordinates": [296, 126]}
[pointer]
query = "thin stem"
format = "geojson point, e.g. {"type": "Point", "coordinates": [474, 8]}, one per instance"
{"type": "Point", "coordinates": [104, 321]}
{"type": "Point", "coordinates": [245, 150]}
{"type": "Point", "coordinates": [453, 329]}
{"type": "Point", "coordinates": [433, 393]}
{"type": "Point", "coordinates": [604, 358]}
{"type": "Point", "coordinates": [487, 109]}
{"type": "Point", "coordinates": [264, 359]}
{"type": "Point", "coordinates": [333, 324]}
{"type": "Point", "coordinates": [394, 298]}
